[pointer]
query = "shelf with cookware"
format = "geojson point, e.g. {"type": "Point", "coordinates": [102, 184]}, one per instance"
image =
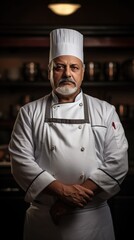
{"type": "Point", "coordinates": [106, 50]}
{"type": "Point", "coordinates": [109, 72]}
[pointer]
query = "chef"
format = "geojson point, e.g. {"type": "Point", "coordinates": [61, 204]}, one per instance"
{"type": "Point", "coordinates": [68, 152]}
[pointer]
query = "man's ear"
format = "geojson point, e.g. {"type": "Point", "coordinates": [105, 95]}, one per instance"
{"type": "Point", "coordinates": [50, 70]}
{"type": "Point", "coordinates": [83, 72]}
{"type": "Point", "coordinates": [48, 73]}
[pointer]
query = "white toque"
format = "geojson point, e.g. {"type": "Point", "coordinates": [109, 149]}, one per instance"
{"type": "Point", "coordinates": [66, 42]}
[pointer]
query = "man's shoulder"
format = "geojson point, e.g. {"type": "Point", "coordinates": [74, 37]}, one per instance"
{"type": "Point", "coordinates": [99, 106]}
{"type": "Point", "coordinates": [36, 105]}
{"type": "Point", "coordinates": [96, 100]}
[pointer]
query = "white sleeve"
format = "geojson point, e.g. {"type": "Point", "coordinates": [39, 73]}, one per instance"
{"type": "Point", "coordinates": [27, 173]}
{"type": "Point", "coordinates": [114, 166]}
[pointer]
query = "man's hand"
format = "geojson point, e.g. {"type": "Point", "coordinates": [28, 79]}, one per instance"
{"type": "Point", "coordinates": [74, 195]}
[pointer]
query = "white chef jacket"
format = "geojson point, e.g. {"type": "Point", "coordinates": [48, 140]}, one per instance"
{"type": "Point", "coordinates": [37, 146]}
{"type": "Point", "coordinates": [28, 136]}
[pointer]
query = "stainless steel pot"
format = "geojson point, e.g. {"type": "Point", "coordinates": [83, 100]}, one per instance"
{"type": "Point", "coordinates": [93, 71]}
{"type": "Point", "coordinates": [111, 71]}
{"type": "Point", "coordinates": [128, 69]}
{"type": "Point", "coordinates": [31, 71]}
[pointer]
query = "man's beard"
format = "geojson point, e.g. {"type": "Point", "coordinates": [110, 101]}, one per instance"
{"type": "Point", "coordinates": [65, 89]}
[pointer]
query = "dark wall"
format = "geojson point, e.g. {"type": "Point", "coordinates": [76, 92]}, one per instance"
{"type": "Point", "coordinates": [92, 12]}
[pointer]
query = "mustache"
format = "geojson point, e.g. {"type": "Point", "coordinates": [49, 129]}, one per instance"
{"type": "Point", "coordinates": [67, 79]}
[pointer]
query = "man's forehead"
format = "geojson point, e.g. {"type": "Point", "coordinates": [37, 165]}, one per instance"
{"type": "Point", "coordinates": [65, 59]}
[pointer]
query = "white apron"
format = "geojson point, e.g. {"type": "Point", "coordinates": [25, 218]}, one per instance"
{"type": "Point", "coordinates": [72, 159]}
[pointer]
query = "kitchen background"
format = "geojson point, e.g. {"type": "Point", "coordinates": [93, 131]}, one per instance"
{"type": "Point", "coordinates": [108, 27]}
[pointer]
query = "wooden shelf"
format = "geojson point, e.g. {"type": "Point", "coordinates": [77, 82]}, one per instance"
{"type": "Point", "coordinates": [40, 42]}
{"type": "Point", "coordinates": [13, 42]}
{"type": "Point", "coordinates": [17, 84]}
{"type": "Point", "coordinates": [94, 36]}
{"type": "Point", "coordinates": [86, 83]}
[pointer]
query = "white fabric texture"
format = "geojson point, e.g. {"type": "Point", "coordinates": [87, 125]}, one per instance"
{"type": "Point", "coordinates": [31, 130]}
{"type": "Point", "coordinates": [84, 224]}
{"type": "Point", "coordinates": [66, 42]}
{"type": "Point", "coordinates": [43, 151]}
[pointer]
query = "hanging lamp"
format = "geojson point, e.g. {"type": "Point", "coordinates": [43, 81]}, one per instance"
{"type": "Point", "coordinates": [64, 8]}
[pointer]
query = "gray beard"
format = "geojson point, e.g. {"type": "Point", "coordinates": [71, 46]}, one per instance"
{"type": "Point", "coordinates": [65, 90]}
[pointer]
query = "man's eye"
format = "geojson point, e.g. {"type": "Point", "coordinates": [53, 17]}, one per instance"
{"type": "Point", "coordinates": [74, 68]}
{"type": "Point", "coordinates": [59, 67]}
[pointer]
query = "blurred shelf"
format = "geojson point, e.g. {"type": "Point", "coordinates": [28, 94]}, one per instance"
{"type": "Point", "coordinates": [108, 84]}
{"type": "Point", "coordinates": [86, 83]}
{"type": "Point", "coordinates": [95, 36]}
{"type": "Point", "coordinates": [6, 124]}
{"type": "Point", "coordinates": [40, 42]}
{"type": "Point", "coordinates": [5, 164]}
{"type": "Point", "coordinates": [12, 84]}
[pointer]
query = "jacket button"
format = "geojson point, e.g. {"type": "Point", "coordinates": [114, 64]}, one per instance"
{"type": "Point", "coordinates": [53, 148]}
{"type": "Point", "coordinates": [80, 127]}
{"type": "Point", "coordinates": [82, 175]}
{"type": "Point", "coordinates": [82, 149]}
{"type": "Point", "coordinates": [81, 104]}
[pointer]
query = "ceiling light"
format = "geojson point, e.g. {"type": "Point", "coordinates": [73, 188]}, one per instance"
{"type": "Point", "coordinates": [63, 8]}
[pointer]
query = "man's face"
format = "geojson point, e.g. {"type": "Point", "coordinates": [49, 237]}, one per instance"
{"type": "Point", "coordinates": [66, 75]}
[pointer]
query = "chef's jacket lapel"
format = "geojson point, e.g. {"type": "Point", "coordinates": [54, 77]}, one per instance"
{"type": "Point", "coordinates": [74, 121]}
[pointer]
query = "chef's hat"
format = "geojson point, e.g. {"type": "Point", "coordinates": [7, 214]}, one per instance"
{"type": "Point", "coordinates": [66, 42]}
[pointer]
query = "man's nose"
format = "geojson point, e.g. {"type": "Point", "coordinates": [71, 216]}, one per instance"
{"type": "Point", "coordinates": [67, 72]}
